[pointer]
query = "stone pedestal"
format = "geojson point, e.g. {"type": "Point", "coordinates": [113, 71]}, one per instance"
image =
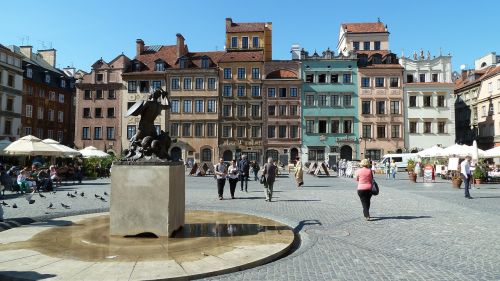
{"type": "Point", "coordinates": [147, 197]}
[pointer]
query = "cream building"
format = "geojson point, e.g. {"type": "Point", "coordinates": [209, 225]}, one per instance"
{"type": "Point", "coordinates": [428, 102]}
{"type": "Point", "coordinates": [488, 109]}
{"type": "Point", "coordinates": [11, 90]}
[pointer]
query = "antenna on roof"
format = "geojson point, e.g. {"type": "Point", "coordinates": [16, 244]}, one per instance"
{"type": "Point", "coordinates": [378, 19]}
{"type": "Point", "coordinates": [50, 44]}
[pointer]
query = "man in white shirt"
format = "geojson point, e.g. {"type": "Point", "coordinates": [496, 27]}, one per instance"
{"type": "Point", "coordinates": [466, 175]}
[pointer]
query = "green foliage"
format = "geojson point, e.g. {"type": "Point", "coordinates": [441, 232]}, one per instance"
{"type": "Point", "coordinates": [90, 164]}
{"type": "Point", "coordinates": [410, 165]}
{"type": "Point", "coordinates": [479, 171]}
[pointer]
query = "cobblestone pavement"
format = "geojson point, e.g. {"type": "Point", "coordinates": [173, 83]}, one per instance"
{"type": "Point", "coordinates": [422, 231]}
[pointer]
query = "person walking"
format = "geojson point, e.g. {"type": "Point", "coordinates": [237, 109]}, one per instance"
{"type": "Point", "coordinates": [220, 174]}
{"type": "Point", "coordinates": [299, 173]}
{"type": "Point", "coordinates": [387, 168]}
{"type": "Point", "coordinates": [364, 177]}
{"type": "Point", "coordinates": [393, 169]}
{"type": "Point", "coordinates": [256, 169]}
{"type": "Point", "coordinates": [466, 175]}
{"type": "Point", "coordinates": [269, 172]}
{"type": "Point", "coordinates": [233, 177]}
{"type": "Point", "coordinates": [244, 169]}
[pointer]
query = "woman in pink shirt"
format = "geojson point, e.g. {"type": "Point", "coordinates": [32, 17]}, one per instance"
{"type": "Point", "coordinates": [364, 177]}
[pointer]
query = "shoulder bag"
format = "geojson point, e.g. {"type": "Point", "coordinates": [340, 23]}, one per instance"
{"type": "Point", "coordinates": [375, 190]}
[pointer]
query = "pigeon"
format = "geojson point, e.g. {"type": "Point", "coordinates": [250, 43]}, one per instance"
{"type": "Point", "coordinates": [76, 192]}
{"type": "Point", "coordinates": [4, 204]}
{"type": "Point", "coordinates": [14, 206]}
{"type": "Point", "coordinates": [29, 196]}
{"type": "Point", "coordinates": [53, 192]}
{"type": "Point", "coordinates": [50, 206]}
{"type": "Point", "coordinates": [97, 196]}
{"type": "Point", "coordinates": [68, 194]}
{"type": "Point", "coordinates": [105, 193]}
{"type": "Point", "coordinates": [103, 200]}
{"type": "Point", "coordinates": [72, 196]}
{"type": "Point", "coordinates": [41, 195]}
{"type": "Point", "coordinates": [65, 206]}
{"type": "Point", "coordinates": [82, 194]}
{"type": "Point", "coordinates": [32, 201]}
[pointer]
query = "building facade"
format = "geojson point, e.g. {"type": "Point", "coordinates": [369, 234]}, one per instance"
{"type": "Point", "coordinates": [282, 110]}
{"type": "Point", "coordinates": [329, 107]}
{"type": "Point", "coordinates": [98, 102]}
{"type": "Point", "coordinates": [429, 102]}
{"type": "Point", "coordinates": [11, 90]}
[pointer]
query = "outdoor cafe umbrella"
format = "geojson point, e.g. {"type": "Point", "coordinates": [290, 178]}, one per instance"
{"type": "Point", "coordinates": [458, 150]}
{"type": "Point", "coordinates": [434, 151]}
{"type": "Point", "coordinates": [494, 152]}
{"type": "Point", "coordinates": [475, 151]}
{"type": "Point", "coordinates": [31, 146]}
{"type": "Point", "coordinates": [91, 151]}
{"type": "Point", "coordinates": [67, 151]}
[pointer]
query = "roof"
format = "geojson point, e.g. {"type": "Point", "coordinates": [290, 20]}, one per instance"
{"type": "Point", "coordinates": [282, 74]}
{"type": "Point", "coordinates": [242, 56]}
{"type": "Point", "coordinates": [245, 27]}
{"type": "Point", "coordinates": [365, 27]}
{"type": "Point", "coordinates": [385, 66]}
{"type": "Point", "coordinates": [482, 75]}
{"type": "Point", "coordinates": [373, 52]}
{"type": "Point", "coordinates": [36, 59]}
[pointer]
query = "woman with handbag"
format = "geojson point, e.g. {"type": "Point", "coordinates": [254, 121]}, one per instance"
{"type": "Point", "coordinates": [233, 177]}
{"type": "Point", "coordinates": [299, 173]}
{"type": "Point", "coordinates": [364, 177]}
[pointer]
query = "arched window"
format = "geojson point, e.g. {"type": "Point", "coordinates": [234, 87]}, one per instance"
{"type": "Point", "coordinates": [272, 153]}
{"type": "Point", "coordinates": [206, 155]}
{"type": "Point", "coordinates": [483, 64]}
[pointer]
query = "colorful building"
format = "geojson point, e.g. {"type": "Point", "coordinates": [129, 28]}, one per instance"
{"type": "Point", "coordinates": [11, 91]}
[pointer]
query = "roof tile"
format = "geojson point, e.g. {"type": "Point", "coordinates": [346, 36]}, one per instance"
{"type": "Point", "coordinates": [365, 27]}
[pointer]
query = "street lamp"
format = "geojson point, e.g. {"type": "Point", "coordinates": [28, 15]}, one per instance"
{"type": "Point", "coordinates": [365, 138]}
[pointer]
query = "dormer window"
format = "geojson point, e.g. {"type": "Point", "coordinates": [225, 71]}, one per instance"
{"type": "Point", "coordinates": [159, 66]}
{"type": "Point", "coordinates": [29, 73]}
{"type": "Point", "coordinates": [137, 66]}
{"type": "Point", "coordinates": [244, 42]}
{"type": "Point", "coordinates": [255, 42]}
{"type": "Point", "coordinates": [234, 42]}
{"type": "Point", "coordinates": [47, 78]}
{"type": "Point", "coordinates": [205, 63]}
{"type": "Point", "coordinates": [182, 62]}
{"type": "Point", "coordinates": [377, 59]}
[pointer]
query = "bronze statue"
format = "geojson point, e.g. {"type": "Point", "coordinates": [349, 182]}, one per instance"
{"type": "Point", "coordinates": [147, 143]}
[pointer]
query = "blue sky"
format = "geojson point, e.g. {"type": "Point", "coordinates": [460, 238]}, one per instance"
{"type": "Point", "coordinates": [84, 31]}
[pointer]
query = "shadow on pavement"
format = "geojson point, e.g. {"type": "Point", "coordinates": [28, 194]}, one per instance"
{"type": "Point", "coordinates": [299, 200]}
{"type": "Point", "coordinates": [400, 218]}
{"type": "Point", "coordinates": [25, 275]}
{"type": "Point", "coordinates": [486, 197]}
{"type": "Point", "coordinates": [303, 223]}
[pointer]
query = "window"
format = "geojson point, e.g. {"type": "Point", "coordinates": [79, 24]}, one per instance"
{"type": "Point", "coordinates": [183, 63]}
{"type": "Point", "coordinates": [88, 95]}
{"type": "Point", "coordinates": [441, 127]}
{"type": "Point", "coordinates": [334, 78]}
{"type": "Point", "coordinates": [271, 110]}
{"type": "Point", "coordinates": [39, 113]}
{"type": "Point", "coordinates": [211, 83]}
{"type": "Point", "coordinates": [376, 45]}
{"type": "Point", "coordinates": [255, 42]}
{"type": "Point", "coordinates": [174, 129]}
{"type": "Point", "coordinates": [198, 129]}
{"type": "Point", "coordinates": [234, 42]}
{"type": "Point", "coordinates": [309, 100]}
{"type": "Point", "coordinates": [409, 78]}
{"type": "Point", "coordinates": [282, 132]}
{"type": "Point", "coordinates": [347, 100]}
{"type": "Point", "coordinates": [27, 131]}
{"type": "Point", "coordinates": [29, 90]}
{"type": "Point", "coordinates": [39, 133]}
{"type": "Point", "coordinates": [484, 110]}
{"type": "Point", "coordinates": [241, 90]}
{"type": "Point", "coordinates": [322, 78]}
{"type": "Point", "coordinates": [98, 112]}
{"type": "Point", "coordinates": [198, 106]}
{"type": "Point", "coordinates": [97, 133]}
{"type": "Point", "coordinates": [347, 78]}
{"type": "Point", "coordinates": [111, 112]}
{"type": "Point", "coordinates": [86, 112]}
{"type": "Point", "coordinates": [41, 93]}
{"type": "Point", "coordinates": [211, 106]}
{"type": "Point", "coordinates": [380, 107]}
{"type": "Point", "coordinates": [186, 129]}
{"type": "Point", "coordinates": [174, 106]}
{"type": "Point", "coordinates": [227, 73]}
{"type": "Point", "coordinates": [309, 78]}
{"type": "Point", "coordinates": [440, 101]}
{"type": "Point", "coordinates": [271, 132]}
{"type": "Point", "coordinates": [422, 78]}
{"type": "Point", "coordinates": [60, 116]}
{"type": "Point", "coordinates": [413, 101]}
{"type": "Point", "coordinates": [394, 82]}
{"type": "Point", "coordinates": [294, 131]}
{"type": "Point", "coordinates": [367, 131]}
{"type": "Point", "coordinates": [427, 127]}
{"type": "Point", "coordinates": [210, 129]}
{"type": "Point", "coordinates": [256, 132]}
{"type": "Point", "coordinates": [159, 66]}
{"type": "Point", "coordinates": [255, 110]}
{"type": "Point", "coordinates": [110, 133]}
{"type": "Point", "coordinates": [240, 131]}
{"type": "Point", "coordinates": [427, 101]}
{"type": "Point", "coordinates": [434, 77]}
{"type": "Point", "coordinates": [309, 126]}
{"type": "Point", "coordinates": [52, 96]}
{"type": "Point", "coordinates": [100, 77]}
{"type": "Point", "coordinates": [144, 86]}
{"type": "Point", "coordinates": [255, 73]}
{"type": "Point", "coordinates": [379, 82]}
{"type": "Point", "coordinates": [226, 131]}
{"type": "Point", "coordinates": [335, 101]}
{"type": "Point", "coordinates": [186, 108]}
{"type": "Point", "coordinates": [241, 73]}
{"type": "Point", "coordinates": [226, 110]}
{"type": "Point", "coordinates": [366, 45]}
{"type": "Point", "coordinates": [85, 133]}
{"type": "Point", "coordinates": [227, 91]}
{"type": "Point", "coordinates": [175, 84]}
{"type": "Point", "coordinates": [293, 109]}
{"type": "Point", "coordinates": [47, 78]}
{"type": "Point", "coordinates": [282, 110]}
{"type": "Point", "coordinates": [99, 95]}
{"type": "Point", "coordinates": [7, 127]}
{"type": "Point", "coordinates": [60, 136]}
{"type": "Point", "coordinates": [29, 73]}
{"type": "Point", "coordinates": [187, 84]}
{"type": "Point", "coordinates": [373, 154]}
{"type": "Point", "coordinates": [132, 86]}
{"type": "Point", "coordinates": [395, 131]}
{"type": "Point", "coordinates": [271, 92]}
{"type": "Point", "coordinates": [111, 95]}
{"type": "Point", "coordinates": [29, 110]}
{"type": "Point", "coordinates": [335, 127]}
{"type": "Point", "coordinates": [413, 127]}
{"type": "Point", "coordinates": [366, 107]}
{"type": "Point", "coordinates": [365, 82]}
{"type": "Point", "coordinates": [156, 85]}
{"type": "Point", "coordinates": [198, 83]}
{"type": "Point", "coordinates": [394, 107]}
{"type": "Point", "coordinates": [240, 110]}
{"type": "Point", "coordinates": [293, 92]}
{"type": "Point", "coordinates": [255, 91]}
{"type": "Point", "coordinates": [381, 131]}
{"type": "Point", "coordinates": [322, 126]}
{"type": "Point", "coordinates": [10, 104]}
{"type": "Point", "coordinates": [282, 92]}
{"type": "Point", "coordinates": [347, 126]}
{"type": "Point", "coordinates": [355, 45]}
{"type": "Point", "coordinates": [322, 100]}
{"type": "Point", "coordinates": [51, 114]}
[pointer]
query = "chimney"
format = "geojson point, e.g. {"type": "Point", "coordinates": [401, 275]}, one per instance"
{"type": "Point", "coordinates": [49, 56]}
{"type": "Point", "coordinates": [70, 71]}
{"type": "Point", "coordinates": [295, 52]}
{"type": "Point", "coordinates": [139, 47]}
{"type": "Point", "coordinates": [229, 23]}
{"type": "Point", "coordinates": [26, 51]}
{"type": "Point", "coordinates": [464, 73]}
{"type": "Point", "coordinates": [181, 48]}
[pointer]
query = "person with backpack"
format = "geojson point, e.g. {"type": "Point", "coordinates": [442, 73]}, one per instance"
{"type": "Point", "coordinates": [269, 174]}
{"type": "Point", "coordinates": [220, 174]}
{"type": "Point", "coordinates": [244, 170]}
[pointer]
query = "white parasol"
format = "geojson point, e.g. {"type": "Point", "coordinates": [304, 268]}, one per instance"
{"type": "Point", "coordinates": [434, 151]}
{"type": "Point", "coordinates": [91, 151]}
{"type": "Point", "coordinates": [31, 146]}
{"type": "Point", "coordinates": [67, 151]}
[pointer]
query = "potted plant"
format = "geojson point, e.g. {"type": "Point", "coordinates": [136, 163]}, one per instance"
{"type": "Point", "coordinates": [410, 167]}
{"type": "Point", "coordinates": [456, 181]}
{"type": "Point", "coordinates": [479, 174]}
